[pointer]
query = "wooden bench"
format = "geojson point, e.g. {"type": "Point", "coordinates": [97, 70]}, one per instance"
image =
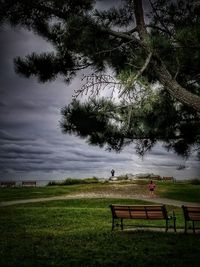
{"type": "Point", "coordinates": [168, 178]}
{"type": "Point", "coordinates": [147, 212]}
{"type": "Point", "coordinates": [28, 183]}
{"type": "Point", "coordinates": [155, 177]}
{"type": "Point", "coordinates": [191, 213]}
{"type": "Point", "coordinates": [8, 184]}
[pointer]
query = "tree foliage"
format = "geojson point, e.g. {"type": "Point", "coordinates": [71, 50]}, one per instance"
{"type": "Point", "coordinates": [116, 125]}
{"type": "Point", "coordinates": [157, 42]}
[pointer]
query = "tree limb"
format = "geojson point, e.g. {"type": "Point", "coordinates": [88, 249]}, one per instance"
{"type": "Point", "coordinates": [163, 74]}
{"type": "Point", "coordinates": [114, 48]}
{"type": "Point", "coordinates": [121, 35]}
{"type": "Point", "coordinates": [157, 28]}
{"type": "Point", "coordinates": [158, 17]}
{"type": "Point", "coordinates": [139, 73]}
{"type": "Point", "coordinates": [177, 91]}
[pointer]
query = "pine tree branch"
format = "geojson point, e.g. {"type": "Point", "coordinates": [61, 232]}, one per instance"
{"type": "Point", "coordinates": [95, 84]}
{"type": "Point", "coordinates": [159, 19]}
{"type": "Point", "coordinates": [81, 67]}
{"type": "Point", "coordinates": [139, 73]}
{"type": "Point", "coordinates": [121, 35]}
{"type": "Point", "coordinates": [175, 89]}
{"type": "Point", "coordinates": [157, 28]}
{"type": "Point", "coordinates": [132, 30]}
{"type": "Point", "coordinates": [114, 48]}
{"type": "Point", "coordinates": [163, 74]}
{"type": "Point", "coordinates": [178, 68]}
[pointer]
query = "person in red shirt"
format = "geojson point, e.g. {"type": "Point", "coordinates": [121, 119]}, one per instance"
{"type": "Point", "coordinates": [151, 187]}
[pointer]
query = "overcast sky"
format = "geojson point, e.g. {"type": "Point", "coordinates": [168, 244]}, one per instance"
{"type": "Point", "coordinates": [31, 143]}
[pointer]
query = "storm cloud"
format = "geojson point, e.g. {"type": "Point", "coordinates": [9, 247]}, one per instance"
{"type": "Point", "coordinates": [31, 142]}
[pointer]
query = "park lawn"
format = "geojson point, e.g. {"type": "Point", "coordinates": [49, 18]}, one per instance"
{"type": "Point", "coordinates": [16, 193]}
{"type": "Point", "coordinates": [78, 233]}
{"type": "Point", "coordinates": [184, 191]}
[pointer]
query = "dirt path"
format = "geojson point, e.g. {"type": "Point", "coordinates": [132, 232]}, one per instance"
{"type": "Point", "coordinates": [154, 199]}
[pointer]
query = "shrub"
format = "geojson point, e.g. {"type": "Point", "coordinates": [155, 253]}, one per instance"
{"type": "Point", "coordinates": [195, 181]}
{"type": "Point", "coordinates": [73, 181]}
{"type": "Point", "coordinates": [122, 177]}
{"type": "Point", "coordinates": [90, 180]}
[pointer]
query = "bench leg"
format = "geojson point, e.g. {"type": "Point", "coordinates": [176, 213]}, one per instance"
{"type": "Point", "coordinates": [113, 223]}
{"type": "Point", "coordinates": [174, 218]}
{"type": "Point", "coordinates": [185, 226]}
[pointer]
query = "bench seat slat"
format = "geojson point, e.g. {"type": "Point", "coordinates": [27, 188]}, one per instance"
{"type": "Point", "coordinates": [194, 217]}
{"type": "Point", "coordinates": [122, 214]}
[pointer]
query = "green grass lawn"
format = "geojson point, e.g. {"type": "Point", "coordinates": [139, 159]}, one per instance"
{"type": "Point", "coordinates": [78, 233]}
{"type": "Point", "coordinates": [14, 193]}
{"type": "Point", "coordinates": [184, 191]}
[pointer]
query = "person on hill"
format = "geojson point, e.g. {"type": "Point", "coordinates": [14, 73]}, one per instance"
{"type": "Point", "coordinates": [151, 187]}
{"type": "Point", "coordinates": [112, 172]}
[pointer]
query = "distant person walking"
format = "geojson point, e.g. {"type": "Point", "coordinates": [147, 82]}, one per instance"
{"type": "Point", "coordinates": [112, 172]}
{"type": "Point", "coordinates": [151, 187]}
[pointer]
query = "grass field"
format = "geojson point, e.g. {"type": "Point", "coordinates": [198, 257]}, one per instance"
{"type": "Point", "coordinates": [184, 191]}
{"type": "Point", "coordinates": [78, 232]}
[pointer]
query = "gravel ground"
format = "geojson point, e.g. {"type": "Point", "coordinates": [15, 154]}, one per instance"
{"type": "Point", "coordinates": [145, 197]}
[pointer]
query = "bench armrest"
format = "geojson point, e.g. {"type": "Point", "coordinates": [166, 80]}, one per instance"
{"type": "Point", "coordinates": [173, 216]}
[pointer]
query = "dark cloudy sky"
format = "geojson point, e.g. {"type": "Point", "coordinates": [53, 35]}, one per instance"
{"type": "Point", "coordinates": [31, 143]}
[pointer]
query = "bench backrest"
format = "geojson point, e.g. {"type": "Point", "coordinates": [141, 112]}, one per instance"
{"type": "Point", "coordinates": [167, 178]}
{"type": "Point", "coordinates": [139, 211]}
{"type": "Point", "coordinates": [191, 213]}
{"type": "Point", "coordinates": [8, 183]}
{"type": "Point", "coordinates": [28, 183]}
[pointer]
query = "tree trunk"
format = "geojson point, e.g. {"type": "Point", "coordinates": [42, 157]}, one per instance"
{"type": "Point", "coordinates": [163, 75]}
